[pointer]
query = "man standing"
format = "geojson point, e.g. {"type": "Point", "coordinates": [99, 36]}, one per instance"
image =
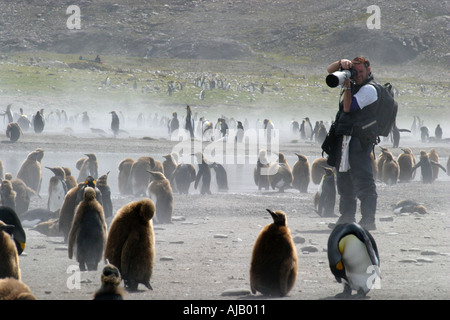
{"type": "Point", "coordinates": [354, 164]}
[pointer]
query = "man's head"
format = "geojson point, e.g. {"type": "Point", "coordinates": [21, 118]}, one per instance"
{"type": "Point", "coordinates": [362, 67]}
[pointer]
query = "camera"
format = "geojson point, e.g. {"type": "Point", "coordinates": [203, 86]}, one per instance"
{"type": "Point", "coordinates": [337, 78]}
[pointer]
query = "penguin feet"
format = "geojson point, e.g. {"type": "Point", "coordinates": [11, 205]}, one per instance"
{"type": "Point", "coordinates": [148, 285]}
{"type": "Point", "coordinates": [346, 294]}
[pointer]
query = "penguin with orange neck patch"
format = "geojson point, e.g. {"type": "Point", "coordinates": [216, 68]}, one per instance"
{"type": "Point", "coordinates": [353, 258]}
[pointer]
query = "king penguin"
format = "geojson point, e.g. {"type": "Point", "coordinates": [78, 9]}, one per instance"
{"type": "Point", "coordinates": [9, 217]}
{"type": "Point", "coordinates": [325, 197]}
{"type": "Point", "coordinates": [425, 164]}
{"type": "Point", "coordinates": [353, 259]}
{"type": "Point", "coordinates": [115, 122]}
{"type": "Point", "coordinates": [57, 189]}
{"type": "Point", "coordinates": [273, 266]}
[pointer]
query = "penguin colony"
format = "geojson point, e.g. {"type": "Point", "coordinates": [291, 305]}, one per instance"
{"type": "Point", "coordinates": [344, 244]}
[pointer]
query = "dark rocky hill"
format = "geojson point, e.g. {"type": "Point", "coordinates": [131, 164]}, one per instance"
{"type": "Point", "coordinates": [313, 31]}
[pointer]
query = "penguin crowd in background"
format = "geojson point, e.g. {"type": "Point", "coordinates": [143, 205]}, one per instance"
{"type": "Point", "coordinates": [79, 209]}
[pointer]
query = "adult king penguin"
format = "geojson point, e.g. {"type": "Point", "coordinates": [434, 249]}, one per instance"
{"type": "Point", "coordinates": [353, 258]}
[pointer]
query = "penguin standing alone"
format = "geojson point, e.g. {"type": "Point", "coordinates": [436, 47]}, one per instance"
{"type": "Point", "coordinates": [273, 267]}
{"type": "Point", "coordinates": [115, 123]}
{"type": "Point", "coordinates": [38, 122]}
{"type": "Point", "coordinates": [131, 243]}
{"type": "Point", "coordinates": [353, 259]}
{"type": "Point", "coordinates": [88, 232]}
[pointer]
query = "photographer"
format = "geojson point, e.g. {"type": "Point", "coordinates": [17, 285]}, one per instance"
{"type": "Point", "coordinates": [353, 162]}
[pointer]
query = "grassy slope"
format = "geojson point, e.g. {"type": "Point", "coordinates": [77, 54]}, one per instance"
{"type": "Point", "coordinates": [80, 87]}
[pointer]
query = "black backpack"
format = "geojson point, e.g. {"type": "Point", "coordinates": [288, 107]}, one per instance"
{"type": "Point", "coordinates": [385, 112]}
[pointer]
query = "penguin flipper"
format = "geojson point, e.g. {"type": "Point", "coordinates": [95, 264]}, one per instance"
{"type": "Point", "coordinates": [438, 165]}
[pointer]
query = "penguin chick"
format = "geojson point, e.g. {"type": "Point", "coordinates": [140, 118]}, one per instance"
{"type": "Point", "coordinates": [102, 185]}
{"type": "Point", "coordinates": [130, 245]}
{"type": "Point", "coordinates": [184, 175]}
{"type": "Point", "coordinates": [88, 167]}
{"type": "Point", "coordinates": [389, 170]}
{"type": "Point", "coordinates": [14, 289]}
{"type": "Point", "coordinates": [9, 266]}
{"type": "Point", "coordinates": [273, 267]}
{"type": "Point", "coordinates": [13, 131]}
{"type": "Point", "coordinates": [405, 162]}
{"type": "Point", "coordinates": [139, 178]}
{"type": "Point", "coordinates": [317, 169]}
{"type": "Point", "coordinates": [124, 176]}
{"type": "Point", "coordinates": [110, 289]}
{"type": "Point", "coordinates": [301, 173]}
{"type": "Point", "coordinates": [69, 179]}
{"type": "Point", "coordinates": [353, 259]}
{"type": "Point", "coordinates": [433, 155]}
{"type": "Point", "coordinates": [7, 194]}
{"type": "Point", "coordinates": [23, 195]}
{"type": "Point", "coordinates": [88, 232]}
{"type": "Point", "coordinates": [30, 171]}
{"type": "Point", "coordinates": [280, 174]}
{"type": "Point", "coordinates": [160, 191]}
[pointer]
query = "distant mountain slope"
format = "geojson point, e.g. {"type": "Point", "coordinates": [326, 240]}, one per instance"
{"type": "Point", "coordinates": [233, 29]}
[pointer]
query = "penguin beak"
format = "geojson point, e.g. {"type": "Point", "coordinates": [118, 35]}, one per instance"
{"type": "Point", "coordinates": [22, 245]}
{"type": "Point", "coordinates": [273, 214]}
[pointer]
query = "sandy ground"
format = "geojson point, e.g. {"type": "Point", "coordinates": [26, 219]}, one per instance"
{"type": "Point", "coordinates": [205, 253]}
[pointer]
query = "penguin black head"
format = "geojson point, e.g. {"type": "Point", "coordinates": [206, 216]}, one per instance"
{"type": "Point", "coordinates": [90, 182]}
{"type": "Point", "coordinates": [91, 156]}
{"type": "Point", "coordinates": [279, 217]}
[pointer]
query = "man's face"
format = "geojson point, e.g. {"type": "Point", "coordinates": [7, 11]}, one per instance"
{"type": "Point", "coordinates": [362, 73]}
